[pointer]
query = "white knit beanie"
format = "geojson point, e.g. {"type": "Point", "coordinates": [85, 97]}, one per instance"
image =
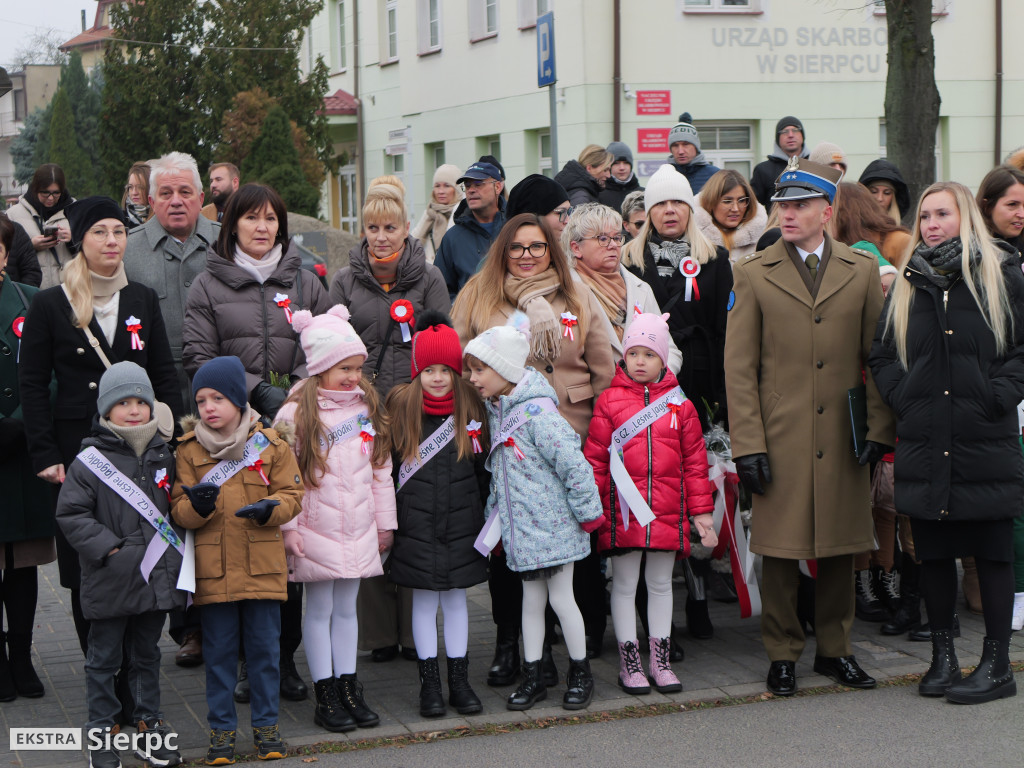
{"type": "Point", "coordinates": [504, 347]}
{"type": "Point", "coordinates": [327, 339]}
{"type": "Point", "coordinates": [449, 174]}
{"type": "Point", "coordinates": [667, 184]}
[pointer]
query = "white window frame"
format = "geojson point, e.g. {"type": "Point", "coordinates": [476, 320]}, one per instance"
{"type": "Point", "coordinates": [389, 32]}
{"type": "Point", "coordinates": [544, 161]}
{"type": "Point", "coordinates": [341, 30]}
{"type": "Point", "coordinates": [722, 157]}
{"type": "Point", "coordinates": [883, 137]}
{"type": "Point", "coordinates": [478, 27]}
{"type": "Point", "coordinates": [939, 7]}
{"type": "Point", "coordinates": [722, 6]}
{"type": "Point", "coordinates": [530, 10]}
{"type": "Point", "coordinates": [424, 22]}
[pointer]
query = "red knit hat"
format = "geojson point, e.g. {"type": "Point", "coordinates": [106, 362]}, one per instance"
{"type": "Point", "coordinates": [435, 343]}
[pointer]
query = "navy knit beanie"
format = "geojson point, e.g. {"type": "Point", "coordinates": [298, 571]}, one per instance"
{"type": "Point", "coordinates": [226, 375]}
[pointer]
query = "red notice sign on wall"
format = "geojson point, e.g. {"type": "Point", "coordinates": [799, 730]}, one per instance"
{"type": "Point", "coordinates": [651, 140]}
{"type": "Point", "coordinates": [654, 102]}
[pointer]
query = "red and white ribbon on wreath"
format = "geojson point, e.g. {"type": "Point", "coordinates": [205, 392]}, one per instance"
{"type": "Point", "coordinates": [17, 326]}
{"type": "Point", "coordinates": [134, 325]}
{"type": "Point", "coordinates": [283, 300]}
{"type": "Point", "coordinates": [569, 320]}
{"type": "Point", "coordinates": [731, 534]}
{"type": "Point", "coordinates": [473, 428]}
{"type": "Point", "coordinates": [690, 268]}
{"type": "Point", "coordinates": [162, 482]}
{"type": "Point", "coordinates": [257, 466]}
{"type": "Point", "coordinates": [401, 313]}
{"type": "Point", "coordinates": [511, 443]}
{"type": "Point", "coordinates": [366, 434]}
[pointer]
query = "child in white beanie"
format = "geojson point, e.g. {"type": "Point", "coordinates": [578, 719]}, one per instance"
{"type": "Point", "coordinates": [543, 496]}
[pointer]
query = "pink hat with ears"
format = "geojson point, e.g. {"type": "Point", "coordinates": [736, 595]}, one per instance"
{"type": "Point", "coordinates": [649, 331]}
{"type": "Point", "coordinates": [327, 339]}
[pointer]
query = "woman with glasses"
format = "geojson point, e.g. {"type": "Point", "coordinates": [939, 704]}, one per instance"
{"type": "Point", "coordinates": [70, 334]}
{"type": "Point", "coordinates": [584, 177]}
{"type": "Point", "coordinates": [729, 214]}
{"type": "Point", "coordinates": [633, 214]}
{"type": "Point", "coordinates": [526, 269]}
{"type": "Point", "coordinates": [542, 196]}
{"type": "Point", "coordinates": [41, 212]}
{"type": "Point", "coordinates": [135, 200]}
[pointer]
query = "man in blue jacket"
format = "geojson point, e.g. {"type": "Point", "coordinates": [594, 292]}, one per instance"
{"type": "Point", "coordinates": [477, 223]}
{"type": "Point", "coordinates": [686, 156]}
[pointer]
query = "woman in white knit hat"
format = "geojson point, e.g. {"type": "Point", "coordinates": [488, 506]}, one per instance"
{"type": "Point", "coordinates": [437, 217]}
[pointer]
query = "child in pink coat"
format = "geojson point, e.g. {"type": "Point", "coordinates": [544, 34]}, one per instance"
{"type": "Point", "coordinates": [348, 513]}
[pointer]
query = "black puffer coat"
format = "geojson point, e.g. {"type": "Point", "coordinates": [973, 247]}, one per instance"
{"type": "Point", "coordinates": [440, 514]}
{"type": "Point", "coordinates": [615, 191]}
{"type": "Point", "coordinates": [578, 184]}
{"type": "Point", "coordinates": [958, 455]}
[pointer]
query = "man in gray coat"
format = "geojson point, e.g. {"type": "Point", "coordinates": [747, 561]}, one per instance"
{"type": "Point", "coordinates": [167, 253]}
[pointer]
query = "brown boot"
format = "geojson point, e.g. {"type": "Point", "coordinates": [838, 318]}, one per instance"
{"type": "Point", "coordinates": [972, 592]}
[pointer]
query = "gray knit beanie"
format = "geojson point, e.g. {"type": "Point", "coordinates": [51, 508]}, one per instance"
{"type": "Point", "coordinates": [684, 132]}
{"type": "Point", "coordinates": [620, 151]}
{"type": "Point", "coordinates": [123, 380]}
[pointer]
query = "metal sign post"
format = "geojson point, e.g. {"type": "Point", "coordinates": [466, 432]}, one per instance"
{"type": "Point", "coordinates": [546, 75]}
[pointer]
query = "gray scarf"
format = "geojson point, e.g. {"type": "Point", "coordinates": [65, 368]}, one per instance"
{"type": "Point", "coordinates": [668, 253]}
{"type": "Point", "coordinates": [941, 264]}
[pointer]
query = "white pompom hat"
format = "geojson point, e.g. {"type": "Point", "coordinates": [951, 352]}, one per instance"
{"type": "Point", "coordinates": [504, 347]}
{"type": "Point", "coordinates": [327, 339]}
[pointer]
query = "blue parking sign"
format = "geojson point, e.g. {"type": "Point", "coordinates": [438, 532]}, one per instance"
{"type": "Point", "coordinates": [546, 49]}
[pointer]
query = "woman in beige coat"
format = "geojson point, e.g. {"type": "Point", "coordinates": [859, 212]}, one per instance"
{"type": "Point", "coordinates": [527, 270]}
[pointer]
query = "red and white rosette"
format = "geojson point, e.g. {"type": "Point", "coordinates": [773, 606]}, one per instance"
{"type": "Point", "coordinates": [570, 321]}
{"type": "Point", "coordinates": [473, 428]}
{"type": "Point", "coordinates": [637, 310]}
{"type": "Point", "coordinates": [17, 326]}
{"type": "Point", "coordinates": [257, 466]}
{"type": "Point", "coordinates": [134, 325]}
{"type": "Point", "coordinates": [690, 268]}
{"type": "Point", "coordinates": [401, 313]}
{"type": "Point", "coordinates": [160, 478]}
{"type": "Point", "coordinates": [674, 404]}
{"type": "Point", "coordinates": [283, 300]}
{"type": "Point", "coordinates": [511, 443]}
{"type": "Point", "coordinates": [366, 435]}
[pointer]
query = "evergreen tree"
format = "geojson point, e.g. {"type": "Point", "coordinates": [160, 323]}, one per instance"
{"type": "Point", "coordinates": [275, 161]}
{"type": "Point", "coordinates": [23, 146]}
{"type": "Point", "coordinates": [64, 149]}
{"type": "Point", "coordinates": [85, 100]}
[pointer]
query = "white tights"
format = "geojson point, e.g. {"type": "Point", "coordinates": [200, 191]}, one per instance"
{"type": "Point", "coordinates": [625, 577]}
{"type": "Point", "coordinates": [330, 629]}
{"type": "Point", "coordinates": [558, 590]}
{"type": "Point", "coordinates": [424, 622]}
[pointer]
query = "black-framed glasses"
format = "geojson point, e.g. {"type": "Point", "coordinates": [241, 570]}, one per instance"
{"type": "Point", "coordinates": [49, 195]}
{"type": "Point", "coordinates": [518, 250]}
{"type": "Point", "coordinates": [564, 213]}
{"type": "Point", "coordinates": [605, 240]}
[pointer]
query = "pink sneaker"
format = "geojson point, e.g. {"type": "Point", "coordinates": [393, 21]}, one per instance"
{"type": "Point", "coordinates": [631, 672]}
{"type": "Point", "coordinates": [662, 676]}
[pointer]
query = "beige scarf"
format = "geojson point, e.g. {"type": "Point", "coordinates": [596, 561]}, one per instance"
{"type": "Point", "coordinates": [138, 438]}
{"type": "Point", "coordinates": [231, 447]}
{"type": "Point", "coordinates": [529, 294]}
{"type": "Point", "coordinates": [610, 290]}
{"type": "Point", "coordinates": [434, 223]}
{"type": "Point", "coordinates": [104, 288]}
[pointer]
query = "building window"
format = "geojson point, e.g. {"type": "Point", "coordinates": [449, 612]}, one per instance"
{"type": "Point", "coordinates": [939, 7]}
{"type": "Point", "coordinates": [342, 49]}
{"type": "Point", "coordinates": [483, 19]}
{"type": "Point", "coordinates": [530, 10]}
{"type": "Point", "coordinates": [728, 146]}
{"type": "Point", "coordinates": [348, 204]}
{"type": "Point", "coordinates": [544, 154]}
{"type": "Point", "coordinates": [438, 155]}
{"type": "Point", "coordinates": [389, 29]}
{"type": "Point", "coordinates": [428, 31]}
{"type": "Point", "coordinates": [883, 139]}
{"type": "Point", "coordinates": [723, 6]}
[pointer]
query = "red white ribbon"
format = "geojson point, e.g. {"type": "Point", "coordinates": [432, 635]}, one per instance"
{"type": "Point", "coordinates": [511, 443]}
{"type": "Point", "coordinates": [366, 435]}
{"type": "Point", "coordinates": [134, 325]}
{"type": "Point", "coordinates": [17, 325]}
{"type": "Point", "coordinates": [161, 482]}
{"type": "Point", "coordinates": [674, 410]}
{"type": "Point", "coordinates": [729, 527]}
{"type": "Point", "coordinates": [257, 466]}
{"type": "Point", "coordinates": [401, 313]}
{"type": "Point", "coordinates": [637, 310]}
{"type": "Point", "coordinates": [569, 320]}
{"type": "Point", "coordinates": [690, 268]}
{"type": "Point", "coordinates": [283, 300]}
{"type": "Point", "coordinates": [473, 428]}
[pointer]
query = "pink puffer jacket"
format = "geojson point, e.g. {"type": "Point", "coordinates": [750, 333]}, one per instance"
{"type": "Point", "coordinates": [340, 519]}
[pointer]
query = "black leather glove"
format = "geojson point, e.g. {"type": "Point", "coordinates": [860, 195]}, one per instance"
{"type": "Point", "coordinates": [12, 437]}
{"type": "Point", "coordinates": [203, 497]}
{"type": "Point", "coordinates": [750, 469]}
{"type": "Point", "coordinates": [873, 452]}
{"type": "Point", "coordinates": [267, 399]}
{"type": "Point", "coordinates": [259, 512]}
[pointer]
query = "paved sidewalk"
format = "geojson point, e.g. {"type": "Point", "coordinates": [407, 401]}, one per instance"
{"type": "Point", "coordinates": [732, 664]}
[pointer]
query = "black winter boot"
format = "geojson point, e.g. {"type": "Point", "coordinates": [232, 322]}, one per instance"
{"type": "Point", "coordinates": [241, 693]}
{"type": "Point", "coordinates": [292, 687]}
{"type": "Point", "coordinates": [431, 698]}
{"type": "Point", "coordinates": [7, 690]}
{"type": "Point", "coordinates": [992, 679]}
{"type": "Point", "coordinates": [924, 632]}
{"type": "Point", "coordinates": [579, 685]}
{"type": "Point", "coordinates": [698, 620]}
{"type": "Point", "coordinates": [329, 712]}
{"type": "Point", "coordinates": [945, 669]}
{"type": "Point", "coordinates": [19, 654]}
{"type": "Point", "coordinates": [907, 617]}
{"type": "Point", "coordinates": [869, 607]}
{"type": "Point", "coordinates": [548, 670]}
{"type": "Point", "coordinates": [530, 690]}
{"type": "Point", "coordinates": [350, 691]}
{"type": "Point", "coordinates": [460, 695]}
{"type": "Point", "coordinates": [505, 666]}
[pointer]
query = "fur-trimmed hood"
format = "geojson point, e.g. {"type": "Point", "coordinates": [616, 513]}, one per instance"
{"type": "Point", "coordinates": [285, 430]}
{"type": "Point", "coordinates": [747, 234]}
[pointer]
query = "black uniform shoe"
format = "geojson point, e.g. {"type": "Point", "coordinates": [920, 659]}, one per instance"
{"type": "Point", "coordinates": [241, 692]}
{"type": "Point", "coordinates": [387, 653]}
{"type": "Point", "coordinates": [782, 678]}
{"type": "Point", "coordinates": [844, 670]}
{"type": "Point", "coordinates": [292, 687]}
{"type": "Point", "coordinates": [530, 690]}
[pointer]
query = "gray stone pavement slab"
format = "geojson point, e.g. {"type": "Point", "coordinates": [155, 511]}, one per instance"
{"type": "Point", "coordinates": [731, 665]}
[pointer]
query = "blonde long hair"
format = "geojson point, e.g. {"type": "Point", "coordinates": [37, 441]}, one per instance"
{"type": "Point", "coordinates": [78, 282]}
{"type": "Point", "coordinates": [984, 280]}
{"type": "Point", "coordinates": [702, 249]}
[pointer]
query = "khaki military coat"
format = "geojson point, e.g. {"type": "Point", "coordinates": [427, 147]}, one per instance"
{"type": "Point", "coordinates": [790, 360]}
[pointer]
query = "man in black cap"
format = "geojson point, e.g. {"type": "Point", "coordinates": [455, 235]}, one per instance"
{"type": "Point", "coordinates": [476, 225]}
{"type": "Point", "coordinates": [801, 321]}
{"type": "Point", "coordinates": [789, 143]}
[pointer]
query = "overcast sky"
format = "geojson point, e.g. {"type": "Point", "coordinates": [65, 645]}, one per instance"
{"type": "Point", "coordinates": [19, 21]}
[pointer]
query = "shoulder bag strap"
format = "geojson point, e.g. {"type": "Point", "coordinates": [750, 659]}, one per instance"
{"type": "Point", "coordinates": [383, 347]}
{"type": "Point", "coordinates": [93, 341]}
{"type": "Point", "coordinates": [21, 294]}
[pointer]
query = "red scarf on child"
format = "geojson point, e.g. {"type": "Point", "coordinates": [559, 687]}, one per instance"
{"type": "Point", "coordinates": [439, 406]}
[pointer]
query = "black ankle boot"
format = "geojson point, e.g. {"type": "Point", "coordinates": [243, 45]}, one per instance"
{"type": "Point", "coordinates": [992, 679]}
{"type": "Point", "coordinates": [431, 698]}
{"type": "Point", "coordinates": [292, 687]}
{"type": "Point", "coordinates": [350, 691]}
{"type": "Point", "coordinates": [924, 632]}
{"type": "Point", "coordinates": [242, 693]}
{"type": "Point", "coordinates": [868, 605]}
{"type": "Point", "coordinates": [7, 690]}
{"type": "Point", "coordinates": [505, 666]}
{"type": "Point", "coordinates": [907, 616]}
{"type": "Point", "coordinates": [329, 712]}
{"type": "Point", "coordinates": [548, 670]}
{"type": "Point", "coordinates": [579, 685]}
{"type": "Point", "coordinates": [460, 695]}
{"type": "Point", "coordinates": [19, 654]}
{"type": "Point", "coordinates": [530, 690]}
{"type": "Point", "coordinates": [945, 669]}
